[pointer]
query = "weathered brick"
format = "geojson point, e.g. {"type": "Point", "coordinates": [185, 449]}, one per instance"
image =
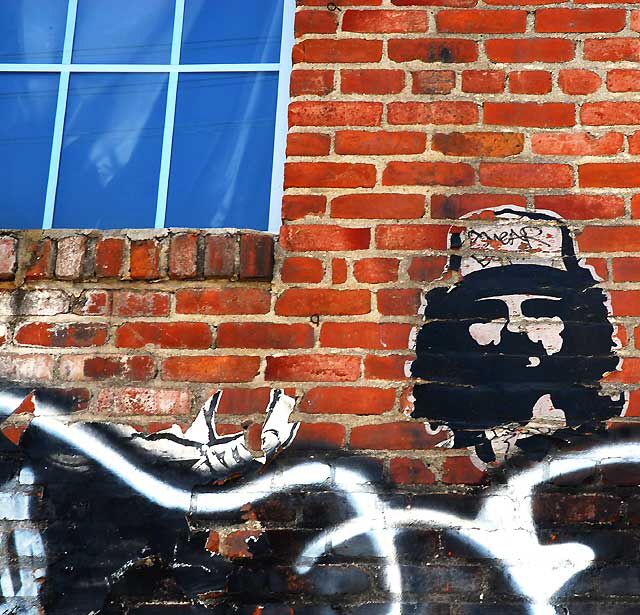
{"type": "Point", "coordinates": [310, 301]}
{"type": "Point", "coordinates": [376, 270]}
{"type": "Point", "coordinates": [211, 368]}
{"type": "Point", "coordinates": [308, 144]}
{"type": "Point", "coordinates": [610, 113]}
{"type": "Point", "coordinates": [399, 436]}
{"type": "Point", "coordinates": [219, 256]}
{"type": "Point", "coordinates": [439, 112]}
{"type": "Point", "coordinates": [296, 206]}
{"type": "Point", "coordinates": [41, 260]}
{"type": "Point", "coordinates": [301, 269]}
{"type": "Point", "coordinates": [456, 205]}
{"type": "Point", "coordinates": [143, 402]}
{"type": "Point", "coordinates": [311, 82]}
{"type": "Point", "coordinates": [399, 173]}
{"type": "Point", "coordinates": [399, 302]}
{"type": "Point", "coordinates": [460, 470]}
{"type": "Point", "coordinates": [408, 471]}
{"type": "Point", "coordinates": [264, 335]}
{"type": "Point", "coordinates": [481, 144]}
{"type": "Point", "coordinates": [82, 368]}
{"type": "Point", "coordinates": [8, 258]}
{"type": "Point", "coordinates": [321, 237]}
{"type": "Point", "coordinates": [483, 81]}
{"type": "Point", "coordinates": [348, 400]}
{"type": "Point", "coordinates": [433, 50]}
{"type": "Point", "coordinates": [372, 206]}
{"type": "Point", "coordinates": [612, 50]}
{"type": "Point", "coordinates": [79, 335]}
{"type": "Point", "coordinates": [332, 51]}
{"type": "Point", "coordinates": [329, 175]}
{"type": "Point", "coordinates": [426, 268]}
{"type": "Point", "coordinates": [231, 300]}
{"type": "Point", "coordinates": [164, 335]}
{"type": "Point", "coordinates": [140, 303]}
{"type": "Point", "coordinates": [145, 259]}
{"type": "Point", "coordinates": [371, 81]}
{"type": "Point", "coordinates": [256, 257]}
{"type": "Point", "coordinates": [26, 368]}
{"type": "Point", "coordinates": [577, 144]}
{"type": "Point", "coordinates": [530, 82]}
{"type": "Point", "coordinates": [577, 81]}
{"type": "Point", "coordinates": [313, 368]}
{"type": "Point", "coordinates": [379, 143]}
{"type": "Point", "coordinates": [110, 257]}
{"type": "Point", "coordinates": [183, 256]}
{"type": "Point", "coordinates": [433, 81]}
{"type": "Point", "coordinates": [330, 113]}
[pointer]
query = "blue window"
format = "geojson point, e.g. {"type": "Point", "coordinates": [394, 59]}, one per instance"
{"type": "Point", "coordinates": [153, 113]}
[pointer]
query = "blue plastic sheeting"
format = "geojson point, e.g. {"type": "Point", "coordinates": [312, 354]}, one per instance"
{"type": "Point", "coordinates": [124, 31]}
{"type": "Point", "coordinates": [27, 109]}
{"type": "Point", "coordinates": [231, 32]}
{"type": "Point", "coordinates": [32, 31]}
{"type": "Point", "coordinates": [111, 151]}
{"type": "Point", "coordinates": [222, 150]}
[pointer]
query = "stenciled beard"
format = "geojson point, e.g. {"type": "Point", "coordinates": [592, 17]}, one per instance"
{"type": "Point", "coordinates": [470, 387]}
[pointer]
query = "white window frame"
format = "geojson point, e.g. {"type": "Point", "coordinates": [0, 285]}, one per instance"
{"type": "Point", "coordinates": [65, 68]}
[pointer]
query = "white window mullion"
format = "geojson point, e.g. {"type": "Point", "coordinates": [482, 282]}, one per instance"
{"type": "Point", "coordinates": [280, 136]}
{"type": "Point", "coordinates": [61, 108]}
{"type": "Point", "coordinates": [169, 118]}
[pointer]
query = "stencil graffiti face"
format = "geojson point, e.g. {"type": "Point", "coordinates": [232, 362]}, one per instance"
{"type": "Point", "coordinates": [514, 351]}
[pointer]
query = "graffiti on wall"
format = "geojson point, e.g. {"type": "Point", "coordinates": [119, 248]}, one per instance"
{"type": "Point", "coordinates": [513, 349]}
{"type": "Point", "coordinates": [516, 339]}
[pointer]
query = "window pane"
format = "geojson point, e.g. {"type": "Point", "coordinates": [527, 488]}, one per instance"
{"type": "Point", "coordinates": [123, 31]}
{"type": "Point", "coordinates": [27, 109]}
{"type": "Point", "coordinates": [111, 151]}
{"type": "Point", "coordinates": [231, 32]}
{"type": "Point", "coordinates": [222, 150]}
{"type": "Point", "coordinates": [32, 31]}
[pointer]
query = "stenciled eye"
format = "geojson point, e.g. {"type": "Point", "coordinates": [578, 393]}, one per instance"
{"type": "Point", "coordinates": [541, 308]}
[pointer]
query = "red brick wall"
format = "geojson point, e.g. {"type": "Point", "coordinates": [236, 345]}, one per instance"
{"type": "Point", "coordinates": [405, 115]}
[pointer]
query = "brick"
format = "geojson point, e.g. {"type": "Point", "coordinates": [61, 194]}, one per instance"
{"type": "Point", "coordinates": [374, 335]}
{"type": "Point", "coordinates": [612, 50]}
{"type": "Point", "coordinates": [510, 175]}
{"type": "Point", "coordinates": [454, 3]}
{"type": "Point", "coordinates": [41, 260]}
{"type": "Point", "coordinates": [319, 436]}
{"type": "Point", "coordinates": [315, 22]}
{"type": "Point", "coordinates": [399, 173]}
{"type": "Point", "coordinates": [402, 302]}
{"type": "Point", "coordinates": [109, 257]}
{"type": "Point", "coordinates": [400, 436]}
{"type": "Point", "coordinates": [232, 300]}
{"type": "Point", "coordinates": [256, 257]}
{"type": "Point", "coordinates": [301, 269]}
{"type": "Point", "coordinates": [313, 368]}
{"type": "Point", "coordinates": [145, 260]}
{"type": "Point", "coordinates": [577, 144]}
{"type": "Point", "coordinates": [473, 21]}
{"type": "Point", "coordinates": [93, 303]}
{"type": "Point", "coordinates": [426, 268]}
{"type": "Point", "coordinates": [634, 143]}
{"type": "Point", "coordinates": [140, 303]}
{"type": "Point", "coordinates": [211, 368]}
{"type": "Point", "coordinates": [433, 81]}
{"type": "Point", "coordinates": [461, 471]}
{"type": "Point", "coordinates": [610, 239]}
{"type": "Point", "coordinates": [70, 257]}
{"type": "Point", "coordinates": [183, 256]}
{"type": "Point", "coordinates": [379, 143]}
{"type": "Point", "coordinates": [385, 21]}
{"type": "Point", "coordinates": [454, 206]}
{"type": "Point", "coordinates": [389, 367]}
{"type": "Point", "coordinates": [556, 508]}
{"type": "Point", "coordinates": [236, 544]}
{"type": "Point", "coordinates": [530, 82]}
{"type": "Point", "coordinates": [376, 270]}
{"type": "Point", "coordinates": [635, 21]}
{"type": "Point", "coordinates": [8, 258]}
{"type": "Point", "coordinates": [244, 401]}
{"type": "Point", "coordinates": [480, 144]}
{"type": "Point", "coordinates": [310, 301]}
{"type": "Point", "coordinates": [532, 115]}
{"type": "Point", "coordinates": [530, 50]}
{"type": "Point", "coordinates": [143, 402]}
{"type": "Point", "coordinates": [308, 144]}
{"type": "Point", "coordinates": [580, 20]}
{"type": "Point", "coordinates": [374, 206]}
{"type": "Point", "coordinates": [321, 237]}
{"type": "Point", "coordinates": [78, 335]}
{"type": "Point", "coordinates": [627, 270]}
{"type": "Point", "coordinates": [41, 302]}
{"type": "Point", "coordinates": [412, 237]}
{"type": "Point", "coordinates": [619, 80]}
{"type": "Point", "coordinates": [348, 400]}
{"type": "Point", "coordinates": [82, 368]}
{"type": "Point", "coordinates": [582, 206]}
{"type": "Point", "coordinates": [447, 50]}
{"type": "Point", "coordinates": [311, 82]}
{"type": "Point", "coordinates": [407, 471]}
{"type": "Point", "coordinates": [337, 51]}
{"type": "Point", "coordinates": [483, 81]}
{"type": "Point", "coordinates": [296, 206]}
{"type": "Point", "coordinates": [630, 373]}
{"type": "Point", "coordinates": [605, 175]}
{"type": "Point", "coordinates": [219, 256]}
{"type": "Point", "coordinates": [334, 113]}
{"type": "Point", "coordinates": [339, 270]}
{"type": "Point", "coordinates": [329, 175]}
{"type": "Point", "coordinates": [164, 335]}
{"type": "Point", "coordinates": [635, 206]}
{"type": "Point", "coordinates": [27, 368]}
{"type": "Point", "coordinates": [439, 112]}
{"type": "Point", "coordinates": [610, 113]}
{"type": "Point", "coordinates": [264, 335]}
{"type": "Point", "coordinates": [576, 81]}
